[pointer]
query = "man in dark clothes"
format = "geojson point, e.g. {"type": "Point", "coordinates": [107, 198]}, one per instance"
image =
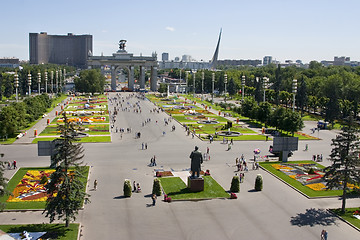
{"type": "Point", "coordinates": [196, 161]}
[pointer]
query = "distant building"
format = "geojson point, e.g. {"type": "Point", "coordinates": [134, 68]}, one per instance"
{"type": "Point", "coordinates": [186, 58]}
{"type": "Point", "coordinates": [9, 62]}
{"type": "Point", "coordinates": [183, 65]}
{"type": "Point", "coordinates": [340, 61]}
{"type": "Point", "coordinates": [67, 49]}
{"type": "Point", "coordinates": [177, 59]}
{"type": "Point", "coordinates": [267, 60]}
{"type": "Point", "coordinates": [165, 56]}
{"type": "Point", "coordinates": [240, 62]}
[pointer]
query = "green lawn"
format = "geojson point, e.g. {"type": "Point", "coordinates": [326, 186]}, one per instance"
{"type": "Point", "coordinates": [296, 184]}
{"type": "Point", "coordinates": [82, 140]}
{"type": "Point", "coordinates": [175, 188]}
{"type": "Point", "coordinates": [103, 129]}
{"type": "Point", "coordinates": [59, 230]}
{"type": "Point", "coordinates": [348, 215]}
{"type": "Point", "coordinates": [14, 181]}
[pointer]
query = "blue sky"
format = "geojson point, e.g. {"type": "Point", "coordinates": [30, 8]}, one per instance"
{"type": "Point", "coordinates": [285, 29]}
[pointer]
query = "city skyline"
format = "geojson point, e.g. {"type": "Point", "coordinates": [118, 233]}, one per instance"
{"type": "Point", "coordinates": [305, 30]}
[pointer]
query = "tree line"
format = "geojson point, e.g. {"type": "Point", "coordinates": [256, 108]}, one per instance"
{"type": "Point", "coordinates": [7, 81]}
{"type": "Point", "coordinates": [279, 117]}
{"type": "Point", "coordinates": [19, 115]}
{"type": "Point", "coordinates": [333, 92]}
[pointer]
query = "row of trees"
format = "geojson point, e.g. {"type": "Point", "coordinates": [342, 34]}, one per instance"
{"type": "Point", "coordinates": [19, 115]}
{"type": "Point", "coordinates": [279, 117]}
{"type": "Point", "coordinates": [332, 91]}
{"type": "Point", "coordinates": [7, 81]}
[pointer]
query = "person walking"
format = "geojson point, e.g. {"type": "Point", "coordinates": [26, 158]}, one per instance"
{"type": "Point", "coordinates": [14, 164]}
{"type": "Point", "coordinates": [145, 146]}
{"type": "Point", "coordinates": [95, 184]}
{"type": "Point", "coordinates": [134, 186]}
{"type": "Point", "coordinates": [324, 234]}
{"type": "Point", "coordinates": [153, 197]}
{"type": "Point", "coordinates": [154, 161]}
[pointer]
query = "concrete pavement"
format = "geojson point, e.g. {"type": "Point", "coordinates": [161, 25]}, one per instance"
{"type": "Point", "coordinates": [277, 212]}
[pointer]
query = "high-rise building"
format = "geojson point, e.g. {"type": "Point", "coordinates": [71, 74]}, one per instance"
{"type": "Point", "coordinates": [67, 49]}
{"type": "Point", "coordinates": [165, 56]}
{"type": "Point", "coordinates": [267, 60]}
{"type": "Point", "coordinates": [186, 58]}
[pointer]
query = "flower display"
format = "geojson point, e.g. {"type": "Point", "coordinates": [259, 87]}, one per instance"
{"type": "Point", "coordinates": [306, 173]}
{"type": "Point", "coordinates": [30, 187]}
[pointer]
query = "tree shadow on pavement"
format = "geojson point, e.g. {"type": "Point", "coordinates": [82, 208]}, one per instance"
{"type": "Point", "coordinates": [314, 217]}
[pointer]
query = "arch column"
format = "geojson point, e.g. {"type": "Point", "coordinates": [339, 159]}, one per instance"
{"type": "Point", "coordinates": [142, 77]}
{"type": "Point", "coordinates": [153, 80]}
{"type": "Point", "coordinates": [113, 78]}
{"type": "Point", "coordinates": [131, 78]}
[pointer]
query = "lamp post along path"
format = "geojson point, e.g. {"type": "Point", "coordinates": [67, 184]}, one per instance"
{"type": "Point", "coordinates": [225, 82]}
{"type": "Point", "coordinates": [39, 81]}
{"type": "Point", "coordinates": [294, 91]}
{"type": "Point", "coordinates": [243, 86]}
{"type": "Point", "coordinates": [29, 83]}
{"type": "Point", "coordinates": [213, 82]}
{"type": "Point", "coordinates": [202, 85]}
{"type": "Point", "coordinates": [16, 83]}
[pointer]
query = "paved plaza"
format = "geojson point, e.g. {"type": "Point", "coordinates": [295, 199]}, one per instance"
{"type": "Point", "coordinates": [277, 212]}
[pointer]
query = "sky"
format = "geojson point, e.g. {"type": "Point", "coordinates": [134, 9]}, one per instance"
{"type": "Point", "coordinates": [284, 29]}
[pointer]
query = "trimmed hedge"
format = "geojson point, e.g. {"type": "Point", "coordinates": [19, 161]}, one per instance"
{"type": "Point", "coordinates": [235, 184]}
{"type": "Point", "coordinates": [258, 183]}
{"type": "Point", "coordinates": [127, 188]}
{"type": "Point", "coordinates": [156, 187]}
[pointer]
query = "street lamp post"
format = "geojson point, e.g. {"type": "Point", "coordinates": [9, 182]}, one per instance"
{"type": "Point", "coordinates": [194, 81]}
{"type": "Point", "coordinates": [202, 85]}
{"type": "Point", "coordinates": [16, 78]}
{"type": "Point", "coordinates": [52, 81]}
{"type": "Point", "coordinates": [225, 82]}
{"type": "Point", "coordinates": [213, 82]}
{"type": "Point", "coordinates": [60, 80]}
{"type": "Point", "coordinates": [29, 83]}
{"type": "Point", "coordinates": [57, 80]}
{"type": "Point", "coordinates": [46, 80]}
{"type": "Point", "coordinates": [243, 86]}
{"type": "Point", "coordinates": [39, 81]}
{"type": "Point", "coordinates": [265, 85]}
{"type": "Point", "coordinates": [294, 91]}
{"type": "Point", "coordinates": [186, 78]}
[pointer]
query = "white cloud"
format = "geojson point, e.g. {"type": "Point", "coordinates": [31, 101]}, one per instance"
{"type": "Point", "coordinates": [171, 29]}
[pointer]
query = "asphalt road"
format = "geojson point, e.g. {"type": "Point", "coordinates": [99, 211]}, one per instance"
{"type": "Point", "coordinates": [277, 212]}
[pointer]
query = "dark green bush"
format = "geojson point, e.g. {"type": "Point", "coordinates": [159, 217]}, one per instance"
{"type": "Point", "coordinates": [156, 187]}
{"type": "Point", "coordinates": [127, 188]}
{"type": "Point", "coordinates": [311, 171]}
{"type": "Point", "coordinates": [235, 184]}
{"type": "Point", "coordinates": [258, 183]}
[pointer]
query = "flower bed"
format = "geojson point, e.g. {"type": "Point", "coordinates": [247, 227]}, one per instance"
{"type": "Point", "coordinates": [29, 188]}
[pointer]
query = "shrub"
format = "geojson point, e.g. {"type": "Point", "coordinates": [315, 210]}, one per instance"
{"type": "Point", "coordinates": [156, 187]}
{"type": "Point", "coordinates": [311, 171]}
{"type": "Point", "coordinates": [235, 184]}
{"type": "Point", "coordinates": [258, 183]}
{"type": "Point", "coordinates": [127, 188]}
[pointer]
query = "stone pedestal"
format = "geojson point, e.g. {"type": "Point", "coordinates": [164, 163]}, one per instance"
{"type": "Point", "coordinates": [196, 184]}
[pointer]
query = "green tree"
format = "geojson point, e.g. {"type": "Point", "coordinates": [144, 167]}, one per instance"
{"type": "Point", "coordinates": [8, 121]}
{"type": "Point", "coordinates": [276, 117]}
{"type": "Point", "coordinates": [232, 88]}
{"type": "Point", "coordinates": [345, 168]}
{"type": "Point", "coordinates": [162, 88]}
{"type": "Point", "coordinates": [247, 106]}
{"type": "Point", "coordinates": [291, 122]}
{"type": "Point", "coordinates": [263, 112]}
{"type": "Point", "coordinates": [90, 81]}
{"type": "Point", "coordinates": [66, 189]}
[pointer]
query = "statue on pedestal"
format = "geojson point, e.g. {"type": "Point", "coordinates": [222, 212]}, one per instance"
{"type": "Point", "coordinates": [122, 45]}
{"type": "Point", "coordinates": [196, 161]}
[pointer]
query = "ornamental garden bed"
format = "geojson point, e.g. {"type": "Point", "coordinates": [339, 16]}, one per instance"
{"type": "Point", "coordinates": [28, 191]}
{"type": "Point", "coordinates": [95, 139]}
{"type": "Point", "coordinates": [53, 231]}
{"type": "Point", "coordinates": [299, 175]}
{"type": "Point", "coordinates": [175, 188]}
{"type": "Point", "coordinates": [91, 129]}
{"type": "Point", "coordinates": [349, 215]}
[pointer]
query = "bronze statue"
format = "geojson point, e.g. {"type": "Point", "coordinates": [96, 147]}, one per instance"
{"type": "Point", "coordinates": [196, 161]}
{"type": "Point", "coordinates": [122, 44]}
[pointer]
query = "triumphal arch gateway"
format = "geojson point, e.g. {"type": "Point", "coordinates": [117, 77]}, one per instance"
{"type": "Point", "coordinates": [124, 60]}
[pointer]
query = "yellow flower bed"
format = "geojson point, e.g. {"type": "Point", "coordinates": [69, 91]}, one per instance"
{"type": "Point", "coordinates": [317, 186]}
{"type": "Point", "coordinates": [279, 166]}
{"type": "Point", "coordinates": [29, 187]}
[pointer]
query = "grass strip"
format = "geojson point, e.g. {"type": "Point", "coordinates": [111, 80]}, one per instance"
{"type": "Point", "coordinates": [55, 231]}
{"type": "Point", "coordinates": [348, 215]}
{"type": "Point", "coordinates": [175, 188]}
